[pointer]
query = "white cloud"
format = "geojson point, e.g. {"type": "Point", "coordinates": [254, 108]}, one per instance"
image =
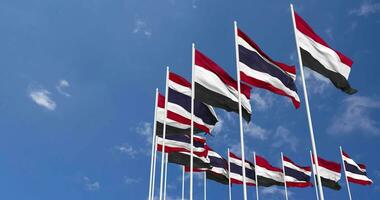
{"type": "Point", "coordinates": [62, 84]}
{"type": "Point", "coordinates": [356, 116]}
{"type": "Point", "coordinates": [262, 101]}
{"type": "Point", "coordinates": [91, 185]}
{"type": "Point", "coordinates": [145, 129]}
{"type": "Point", "coordinates": [194, 4]}
{"type": "Point", "coordinates": [283, 137]}
{"type": "Point", "coordinates": [256, 131]}
{"type": "Point", "coordinates": [130, 180]}
{"type": "Point", "coordinates": [329, 33]}
{"type": "Point", "coordinates": [315, 82]}
{"type": "Point", "coordinates": [366, 8]}
{"type": "Point", "coordinates": [274, 191]}
{"type": "Point", "coordinates": [141, 27]}
{"type": "Point", "coordinates": [127, 149]}
{"type": "Point", "coordinates": [41, 97]}
{"type": "Point", "coordinates": [218, 128]}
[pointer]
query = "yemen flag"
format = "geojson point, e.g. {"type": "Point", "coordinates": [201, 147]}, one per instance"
{"type": "Point", "coordinates": [183, 158]}
{"type": "Point", "coordinates": [216, 87]}
{"type": "Point", "coordinates": [329, 172]}
{"type": "Point", "coordinates": [267, 175]}
{"type": "Point", "coordinates": [319, 56]}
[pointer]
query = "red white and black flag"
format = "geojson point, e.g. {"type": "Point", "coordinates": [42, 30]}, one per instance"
{"type": "Point", "coordinates": [319, 56]}
{"type": "Point", "coordinates": [258, 69]}
{"type": "Point", "coordinates": [216, 87]}
{"type": "Point", "coordinates": [295, 175]}
{"type": "Point", "coordinates": [329, 172]}
{"type": "Point", "coordinates": [356, 173]}
{"type": "Point", "coordinates": [267, 175]}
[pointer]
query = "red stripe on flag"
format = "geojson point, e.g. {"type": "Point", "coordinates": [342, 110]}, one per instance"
{"type": "Point", "coordinates": [260, 161]}
{"type": "Point", "coordinates": [179, 80]}
{"type": "Point", "coordinates": [306, 29]}
{"type": "Point", "coordinates": [299, 184]}
{"type": "Point", "coordinates": [360, 182]}
{"type": "Point", "coordinates": [290, 161]}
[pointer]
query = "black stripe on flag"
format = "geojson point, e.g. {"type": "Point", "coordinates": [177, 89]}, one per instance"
{"type": "Point", "coordinates": [354, 169]}
{"type": "Point", "coordinates": [184, 159]}
{"type": "Point", "coordinates": [337, 79]}
{"type": "Point", "coordinates": [296, 174]}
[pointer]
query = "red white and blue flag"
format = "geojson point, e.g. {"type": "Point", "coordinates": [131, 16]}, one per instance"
{"type": "Point", "coordinates": [258, 69]}
{"type": "Point", "coordinates": [329, 172]}
{"type": "Point", "coordinates": [236, 170]}
{"type": "Point", "coordinates": [295, 175]}
{"type": "Point", "coordinates": [356, 173]}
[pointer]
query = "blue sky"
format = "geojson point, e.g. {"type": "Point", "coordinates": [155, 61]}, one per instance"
{"type": "Point", "coordinates": [77, 88]}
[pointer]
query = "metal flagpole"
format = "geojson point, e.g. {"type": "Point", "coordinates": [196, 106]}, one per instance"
{"type": "Point", "coordinates": [315, 181]}
{"type": "Point", "coordinates": [164, 134]}
{"type": "Point", "coordinates": [204, 186]}
{"type": "Point", "coordinates": [257, 180]}
{"type": "Point", "coordinates": [153, 159]}
{"type": "Point", "coordinates": [154, 163]}
{"type": "Point", "coordinates": [192, 121]}
{"type": "Point", "coordinates": [307, 107]}
{"type": "Point", "coordinates": [283, 173]}
{"type": "Point", "coordinates": [183, 182]}
{"type": "Point", "coordinates": [229, 172]}
{"type": "Point", "coordinates": [240, 113]}
{"type": "Point", "coordinates": [345, 174]}
{"type": "Point", "coordinates": [166, 174]}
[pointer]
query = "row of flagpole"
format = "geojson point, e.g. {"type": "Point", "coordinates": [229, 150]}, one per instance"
{"type": "Point", "coordinates": [163, 161]}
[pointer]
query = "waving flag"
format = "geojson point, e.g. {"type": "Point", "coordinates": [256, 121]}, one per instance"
{"type": "Point", "coordinates": [181, 143]}
{"type": "Point", "coordinates": [174, 125]}
{"type": "Point", "coordinates": [258, 69]}
{"type": "Point", "coordinates": [295, 175]}
{"type": "Point", "coordinates": [183, 158]}
{"type": "Point", "coordinates": [236, 170]}
{"type": "Point", "coordinates": [356, 173]}
{"type": "Point", "coordinates": [268, 175]}
{"type": "Point", "coordinates": [219, 168]}
{"type": "Point", "coordinates": [217, 88]}
{"type": "Point", "coordinates": [319, 56]}
{"type": "Point", "coordinates": [179, 101]}
{"type": "Point", "coordinates": [329, 172]}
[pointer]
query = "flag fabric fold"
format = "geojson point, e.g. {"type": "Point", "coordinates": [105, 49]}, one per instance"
{"type": "Point", "coordinates": [258, 69]}
{"type": "Point", "coordinates": [356, 173]}
{"type": "Point", "coordinates": [329, 172]}
{"type": "Point", "coordinates": [268, 175]}
{"type": "Point", "coordinates": [214, 86]}
{"type": "Point", "coordinates": [319, 56]}
{"type": "Point", "coordinates": [295, 175]}
{"type": "Point", "coordinates": [181, 143]}
{"type": "Point", "coordinates": [236, 171]}
{"type": "Point", "coordinates": [219, 168]}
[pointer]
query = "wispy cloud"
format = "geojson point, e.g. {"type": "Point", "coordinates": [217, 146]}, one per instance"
{"type": "Point", "coordinates": [126, 149]}
{"type": "Point", "coordinates": [91, 185]}
{"type": "Point", "coordinates": [62, 85]}
{"type": "Point", "coordinates": [130, 180]}
{"type": "Point", "coordinates": [256, 131]}
{"type": "Point", "coordinates": [262, 101]}
{"type": "Point", "coordinates": [145, 129]}
{"type": "Point", "coordinates": [329, 33]}
{"type": "Point", "coordinates": [316, 83]}
{"type": "Point", "coordinates": [141, 27]}
{"type": "Point", "coordinates": [283, 137]}
{"type": "Point", "coordinates": [366, 8]}
{"type": "Point", "coordinates": [42, 98]}
{"type": "Point", "coordinates": [275, 191]}
{"type": "Point", "coordinates": [356, 116]}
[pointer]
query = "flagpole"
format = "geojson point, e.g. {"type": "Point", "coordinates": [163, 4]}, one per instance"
{"type": "Point", "coordinates": [164, 134]}
{"type": "Point", "coordinates": [229, 172]}
{"type": "Point", "coordinates": [240, 114]}
{"type": "Point", "coordinates": [315, 181]}
{"type": "Point", "coordinates": [204, 186]}
{"type": "Point", "coordinates": [307, 107]}
{"type": "Point", "coordinates": [183, 182]}
{"type": "Point", "coordinates": [283, 173]}
{"type": "Point", "coordinates": [152, 159]}
{"type": "Point", "coordinates": [192, 121]}
{"type": "Point", "coordinates": [345, 174]}
{"type": "Point", "coordinates": [166, 174]}
{"type": "Point", "coordinates": [257, 180]}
